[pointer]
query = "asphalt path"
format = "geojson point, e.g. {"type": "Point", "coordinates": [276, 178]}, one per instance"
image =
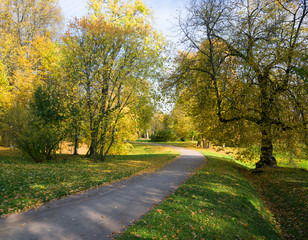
{"type": "Point", "coordinates": [104, 212]}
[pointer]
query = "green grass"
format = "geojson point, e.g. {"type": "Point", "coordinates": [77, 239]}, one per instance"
{"type": "Point", "coordinates": [215, 202]}
{"type": "Point", "coordinates": [299, 161]}
{"type": "Point", "coordinates": [285, 192]}
{"type": "Point", "coordinates": [218, 202]}
{"type": "Point", "coordinates": [25, 184]}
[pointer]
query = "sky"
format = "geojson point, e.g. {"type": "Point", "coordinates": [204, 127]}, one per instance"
{"type": "Point", "coordinates": [165, 13]}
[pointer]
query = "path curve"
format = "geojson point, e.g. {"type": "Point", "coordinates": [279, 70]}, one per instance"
{"type": "Point", "coordinates": [103, 212]}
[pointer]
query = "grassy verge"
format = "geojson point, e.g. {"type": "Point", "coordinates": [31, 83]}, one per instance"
{"type": "Point", "coordinates": [25, 184]}
{"type": "Point", "coordinates": [218, 202]}
{"type": "Point", "coordinates": [285, 192]}
{"type": "Point", "coordinates": [283, 158]}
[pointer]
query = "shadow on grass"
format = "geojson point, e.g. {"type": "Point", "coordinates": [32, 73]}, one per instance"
{"type": "Point", "coordinates": [285, 191]}
{"type": "Point", "coordinates": [216, 203]}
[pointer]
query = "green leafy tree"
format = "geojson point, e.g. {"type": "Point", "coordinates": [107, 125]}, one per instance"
{"type": "Point", "coordinates": [244, 52]}
{"type": "Point", "coordinates": [182, 123]}
{"type": "Point", "coordinates": [114, 51]}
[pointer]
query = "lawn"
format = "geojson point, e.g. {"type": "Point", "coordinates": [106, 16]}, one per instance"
{"type": "Point", "coordinates": [25, 184]}
{"type": "Point", "coordinates": [218, 202]}
{"type": "Point", "coordinates": [285, 192]}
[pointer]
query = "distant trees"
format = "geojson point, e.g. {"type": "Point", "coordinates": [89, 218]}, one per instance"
{"type": "Point", "coordinates": [176, 125]}
{"type": "Point", "coordinates": [241, 67]}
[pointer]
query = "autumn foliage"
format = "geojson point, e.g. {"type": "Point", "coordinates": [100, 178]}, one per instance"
{"type": "Point", "coordinates": [84, 86]}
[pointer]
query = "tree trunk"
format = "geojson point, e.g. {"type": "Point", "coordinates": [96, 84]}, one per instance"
{"type": "Point", "coordinates": [102, 154]}
{"type": "Point", "coordinates": [266, 159]}
{"type": "Point", "coordinates": [199, 144]}
{"type": "Point", "coordinates": [205, 145]}
{"type": "Point", "coordinates": [76, 142]}
{"type": "Point", "coordinates": [93, 146]}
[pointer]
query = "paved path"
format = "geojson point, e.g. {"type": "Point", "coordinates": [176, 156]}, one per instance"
{"type": "Point", "coordinates": [103, 212]}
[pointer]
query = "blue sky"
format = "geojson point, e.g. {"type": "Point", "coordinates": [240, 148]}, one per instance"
{"type": "Point", "coordinates": [165, 12]}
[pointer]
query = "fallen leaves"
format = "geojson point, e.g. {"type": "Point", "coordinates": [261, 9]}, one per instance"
{"type": "Point", "coordinates": [159, 211]}
{"type": "Point", "coordinates": [24, 184]}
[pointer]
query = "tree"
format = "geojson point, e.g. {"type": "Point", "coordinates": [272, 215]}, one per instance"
{"type": "Point", "coordinates": [245, 51]}
{"type": "Point", "coordinates": [182, 123]}
{"type": "Point", "coordinates": [24, 24]}
{"type": "Point", "coordinates": [115, 51]}
{"type": "Point", "coordinates": [21, 22]}
{"type": "Point", "coordinates": [144, 113]}
{"type": "Point", "coordinates": [24, 20]}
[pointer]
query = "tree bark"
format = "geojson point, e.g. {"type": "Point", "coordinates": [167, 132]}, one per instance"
{"type": "Point", "coordinates": [93, 146]}
{"type": "Point", "coordinates": [205, 144]}
{"type": "Point", "coordinates": [76, 142]}
{"type": "Point", "coordinates": [266, 159]}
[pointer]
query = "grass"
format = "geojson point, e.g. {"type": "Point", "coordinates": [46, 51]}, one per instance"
{"type": "Point", "coordinates": [25, 184]}
{"type": "Point", "coordinates": [283, 159]}
{"type": "Point", "coordinates": [218, 202]}
{"type": "Point", "coordinates": [228, 200]}
{"type": "Point", "coordinates": [285, 192]}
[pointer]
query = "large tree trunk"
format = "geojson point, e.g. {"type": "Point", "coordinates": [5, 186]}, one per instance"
{"type": "Point", "coordinates": [206, 144]}
{"type": "Point", "coordinates": [266, 159]}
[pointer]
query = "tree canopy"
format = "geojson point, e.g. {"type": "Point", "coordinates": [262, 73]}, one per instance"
{"type": "Point", "coordinates": [241, 67]}
{"type": "Point", "coordinates": [100, 68]}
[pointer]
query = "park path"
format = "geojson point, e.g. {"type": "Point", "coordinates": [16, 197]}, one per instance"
{"type": "Point", "coordinates": [104, 212]}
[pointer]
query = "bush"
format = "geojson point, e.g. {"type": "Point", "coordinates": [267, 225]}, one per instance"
{"type": "Point", "coordinates": [164, 135]}
{"type": "Point", "coordinates": [37, 130]}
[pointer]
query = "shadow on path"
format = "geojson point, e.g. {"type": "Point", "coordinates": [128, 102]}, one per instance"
{"type": "Point", "coordinates": [103, 212]}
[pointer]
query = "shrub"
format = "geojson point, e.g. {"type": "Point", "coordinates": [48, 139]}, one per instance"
{"type": "Point", "coordinates": [164, 135]}
{"type": "Point", "coordinates": [37, 130]}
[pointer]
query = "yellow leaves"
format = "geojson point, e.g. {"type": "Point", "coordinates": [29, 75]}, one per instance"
{"type": "Point", "coordinates": [160, 211]}
{"type": "Point", "coordinates": [3, 75]}
{"type": "Point", "coordinates": [140, 6]}
{"type": "Point", "coordinates": [26, 19]}
{"type": "Point", "coordinates": [129, 14]}
{"type": "Point", "coordinates": [96, 5]}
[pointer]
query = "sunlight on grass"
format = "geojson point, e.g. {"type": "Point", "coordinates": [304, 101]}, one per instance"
{"type": "Point", "coordinates": [216, 203]}
{"type": "Point", "coordinates": [228, 154]}
{"type": "Point", "coordinates": [24, 184]}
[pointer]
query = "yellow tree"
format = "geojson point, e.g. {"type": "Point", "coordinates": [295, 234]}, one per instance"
{"type": "Point", "coordinates": [21, 22]}
{"type": "Point", "coordinates": [25, 19]}
{"type": "Point", "coordinates": [113, 52]}
{"type": "Point", "coordinates": [263, 42]}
